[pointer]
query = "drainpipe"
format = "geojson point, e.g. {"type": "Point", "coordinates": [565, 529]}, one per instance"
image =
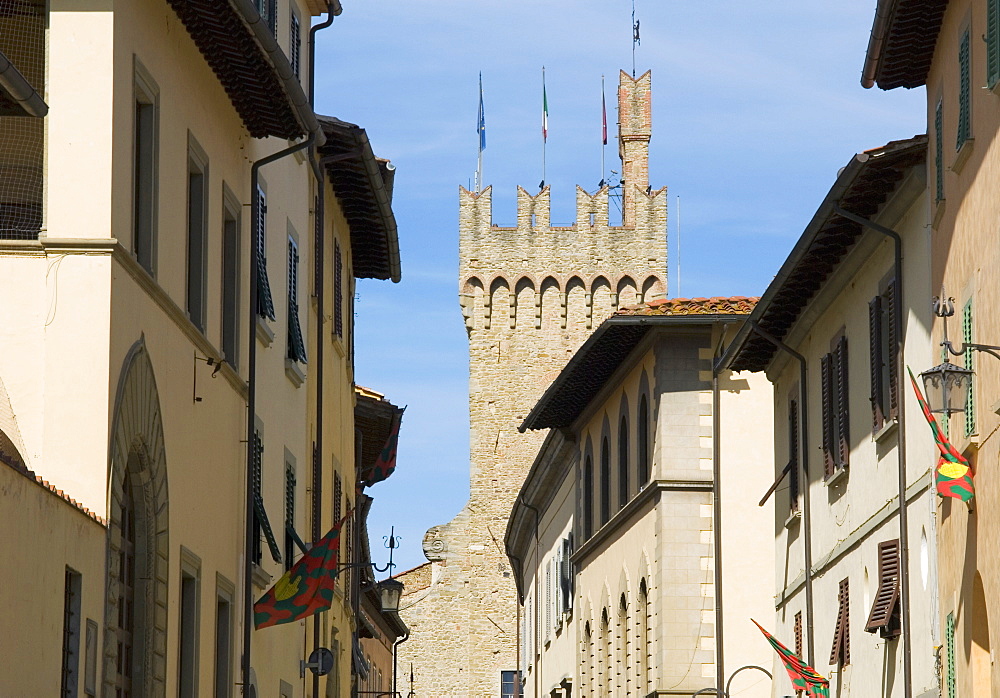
{"type": "Point", "coordinates": [333, 9]}
{"type": "Point", "coordinates": [396, 643]}
{"type": "Point", "coordinates": [720, 670]}
{"type": "Point", "coordinates": [252, 396]}
{"type": "Point", "coordinates": [18, 87]}
{"type": "Point", "coordinates": [904, 533]}
{"type": "Point", "coordinates": [538, 666]}
{"type": "Point", "coordinates": [806, 513]}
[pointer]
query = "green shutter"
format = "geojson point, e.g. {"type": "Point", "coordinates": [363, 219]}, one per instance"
{"type": "Point", "coordinates": [970, 405]}
{"type": "Point", "coordinates": [964, 92]}
{"type": "Point", "coordinates": [939, 152]}
{"type": "Point", "coordinates": [992, 42]}
{"type": "Point", "coordinates": [949, 678]}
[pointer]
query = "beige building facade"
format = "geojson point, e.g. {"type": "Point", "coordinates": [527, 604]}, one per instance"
{"type": "Point", "coordinates": [530, 294]}
{"type": "Point", "coordinates": [129, 278]}
{"type": "Point", "coordinates": [834, 333]}
{"type": "Point", "coordinates": [613, 536]}
{"type": "Point", "coordinates": [952, 52]}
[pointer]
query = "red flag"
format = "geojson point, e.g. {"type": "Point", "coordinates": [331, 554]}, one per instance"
{"type": "Point", "coordinates": [953, 476]}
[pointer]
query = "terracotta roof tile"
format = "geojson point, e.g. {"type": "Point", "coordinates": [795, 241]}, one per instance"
{"type": "Point", "coordinates": [19, 467]}
{"type": "Point", "coordinates": [717, 305]}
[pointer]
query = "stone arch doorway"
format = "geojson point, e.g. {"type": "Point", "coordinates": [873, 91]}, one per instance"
{"type": "Point", "coordinates": [135, 615]}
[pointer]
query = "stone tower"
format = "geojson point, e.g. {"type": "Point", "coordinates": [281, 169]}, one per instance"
{"type": "Point", "coordinates": [531, 294]}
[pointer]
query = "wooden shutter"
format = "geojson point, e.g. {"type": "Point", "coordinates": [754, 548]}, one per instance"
{"type": "Point", "coordinates": [893, 330]}
{"type": "Point", "coordinates": [338, 290]}
{"type": "Point", "coordinates": [939, 152]}
{"type": "Point", "coordinates": [296, 350]}
{"type": "Point", "coordinates": [884, 615]}
{"type": "Point", "coordinates": [265, 304]}
{"type": "Point", "coordinates": [798, 634]}
{"type": "Point", "coordinates": [992, 39]}
{"type": "Point", "coordinates": [316, 503]}
{"type": "Point", "coordinates": [317, 249]}
{"type": "Point", "coordinates": [793, 455]}
{"type": "Point", "coordinates": [964, 130]}
{"type": "Point", "coordinates": [826, 383]}
{"type": "Point", "coordinates": [970, 404]}
{"type": "Point", "coordinates": [876, 359]}
{"type": "Point", "coordinates": [843, 404]}
{"type": "Point", "coordinates": [840, 654]}
{"type": "Point", "coordinates": [949, 678]}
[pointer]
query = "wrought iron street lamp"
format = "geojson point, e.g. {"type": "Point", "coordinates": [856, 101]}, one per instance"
{"type": "Point", "coordinates": [390, 590]}
{"type": "Point", "coordinates": [945, 387]}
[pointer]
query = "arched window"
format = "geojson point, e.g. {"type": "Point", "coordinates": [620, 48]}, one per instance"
{"type": "Point", "coordinates": [642, 447]}
{"type": "Point", "coordinates": [125, 623]}
{"type": "Point", "coordinates": [607, 658]}
{"type": "Point", "coordinates": [588, 497]}
{"type": "Point", "coordinates": [605, 481]}
{"type": "Point", "coordinates": [623, 490]}
{"type": "Point", "coordinates": [624, 649]}
{"type": "Point", "coordinates": [643, 648]}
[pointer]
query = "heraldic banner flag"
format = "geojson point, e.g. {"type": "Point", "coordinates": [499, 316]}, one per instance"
{"type": "Point", "coordinates": [385, 464]}
{"type": "Point", "coordinates": [305, 589]}
{"type": "Point", "coordinates": [953, 476]}
{"type": "Point", "coordinates": [803, 676]}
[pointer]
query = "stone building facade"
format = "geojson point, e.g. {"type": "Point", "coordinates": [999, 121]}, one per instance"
{"type": "Point", "coordinates": [531, 294]}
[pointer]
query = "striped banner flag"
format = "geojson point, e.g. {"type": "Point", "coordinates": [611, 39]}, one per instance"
{"type": "Point", "coordinates": [545, 110]}
{"type": "Point", "coordinates": [953, 476]}
{"type": "Point", "coordinates": [804, 677]}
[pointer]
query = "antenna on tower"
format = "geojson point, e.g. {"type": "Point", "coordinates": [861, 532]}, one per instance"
{"type": "Point", "coordinates": [678, 229]}
{"type": "Point", "coordinates": [635, 37]}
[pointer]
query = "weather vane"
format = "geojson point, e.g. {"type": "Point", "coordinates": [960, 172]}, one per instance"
{"type": "Point", "coordinates": [635, 37]}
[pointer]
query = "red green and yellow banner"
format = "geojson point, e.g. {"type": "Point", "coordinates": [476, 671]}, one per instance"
{"type": "Point", "coordinates": [953, 476]}
{"type": "Point", "coordinates": [385, 464]}
{"type": "Point", "coordinates": [804, 677]}
{"type": "Point", "coordinates": [305, 589]}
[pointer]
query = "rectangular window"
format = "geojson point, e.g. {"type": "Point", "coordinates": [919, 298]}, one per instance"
{"type": "Point", "coordinates": [970, 403]}
{"type": "Point", "coordinates": [296, 345]}
{"type": "Point", "coordinates": [964, 131]}
{"type": "Point", "coordinates": [793, 455]}
{"type": "Point", "coordinates": [882, 353]}
{"type": "Point", "coordinates": [835, 412]}
{"type": "Point", "coordinates": [939, 152]}
{"type": "Point", "coordinates": [145, 180]}
{"type": "Point", "coordinates": [90, 672]}
{"type": "Point", "coordinates": [548, 600]}
{"type": "Point", "coordinates": [884, 616]}
{"type": "Point", "coordinates": [338, 291]}
{"type": "Point", "coordinates": [223, 642]}
{"type": "Point", "coordinates": [294, 43]}
{"type": "Point", "coordinates": [265, 305]}
{"type": "Point", "coordinates": [840, 654]}
{"type": "Point", "coordinates": [197, 234]}
{"type": "Point", "coordinates": [566, 575]}
{"type": "Point", "coordinates": [289, 515]}
{"type": "Point", "coordinates": [71, 634]}
{"type": "Point", "coordinates": [510, 684]}
{"type": "Point", "coordinates": [231, 281]}
{"type": "Point", "coordinates": [188, 640]}
{"type": "Point", "coordinates": [949, 642]}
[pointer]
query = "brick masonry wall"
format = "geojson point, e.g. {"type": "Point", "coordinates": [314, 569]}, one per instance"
{"type": "Point", "coordinates": [530, 295]}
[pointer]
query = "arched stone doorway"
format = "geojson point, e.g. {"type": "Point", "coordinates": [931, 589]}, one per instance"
{"type": "Point", "coordinates": [135, 617]}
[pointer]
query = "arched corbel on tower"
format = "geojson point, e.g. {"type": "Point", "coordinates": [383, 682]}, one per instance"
{"type": "Point", "coordinates": [627, 293]}
{"type": "Point", "coordinates": [652, 288]}
{"type": "Point", "coordinates": [552, 306]}
{"type": "Point", "coordinates": [602, 304]}
{"type": "Point", "coordinates": [471, 299]}
{"type": "Point", "coordinates": [527, 300]}
{"type": "Point", "coordinates": [499, 298]}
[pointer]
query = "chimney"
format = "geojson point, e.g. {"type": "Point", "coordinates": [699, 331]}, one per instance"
{"type": "Point", "coordinates": [635, 125]}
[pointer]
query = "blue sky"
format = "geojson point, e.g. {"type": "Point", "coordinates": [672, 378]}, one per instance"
{"type": "Point", "coordinates": [756, 105]}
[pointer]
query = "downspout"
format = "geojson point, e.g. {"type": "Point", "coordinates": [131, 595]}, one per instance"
{"type": "Point", "coordinates": [18, 87]}
{"type": "Point", "coordinates": [252, 395]}
{"type": "Point", "coordinates": [720, 670]}
{"type": "Point", "coordinates": [319, 253]}
{"type": "Point", "coordinates": [904, 533]}
{"type": "Point", "coordinates": [398, 641]}
{"type": "Point", "coordinates": [534, 644]}
{"type": "Point", "coordinates": [806, 513]}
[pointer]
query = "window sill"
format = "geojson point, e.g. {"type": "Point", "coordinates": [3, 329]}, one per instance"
{"type": "Point", "coordinates": [293, 369]}
{"type": "Point", "coordinates": [793, 518]}
{"type": "Point", "coordinates": [939, 209]}
{"type": "Point", "coordinates": [259, 577]}
{"type": "Point", "coordinates": [888, 428]}
{"type": "Point", "coordinates": [338, 346]}
{"type": "Point", "coordinates": [265, 335]}
{"type": "Point", "coordinates": [840, 473]}
{"type": "Point", "coordinates": [962, 156]}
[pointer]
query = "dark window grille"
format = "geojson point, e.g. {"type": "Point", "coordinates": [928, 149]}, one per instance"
{"type": "Point", "coordinates": [125, 629]}
{"type": "Point", "coordinates": [338, 291]}
{"type": "Point", "coordinates": [798, 634]}
{"type": "Point", "coordinates": [588, 497]}
{"type": "Point", "coordinates": [197, 242]}
{"type": "Point", "coordinates": [605, 481]}
{"type": "Point", "coordinates": [642, 447]}
{"type": "Point", "coordinates": [623, 465]}
{"type": "Point", "coordinates": [71, 634]}
{"type": "Point", "coordinates": [230, 287]}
